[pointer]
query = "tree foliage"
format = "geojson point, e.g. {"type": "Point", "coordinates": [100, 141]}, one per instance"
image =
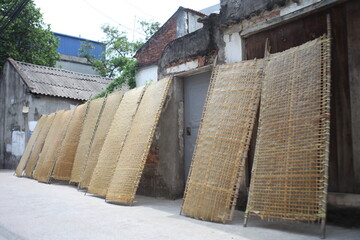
{"type": "Point", "coordinates": [28, 38]}
{"type": "Point", "coordinates": [149, 28]}
{"type": "Point", "coordinates": [117, 61]}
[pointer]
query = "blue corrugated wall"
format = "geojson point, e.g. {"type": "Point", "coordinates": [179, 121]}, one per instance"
{"type": "Point", "coordinates": [70, 45]}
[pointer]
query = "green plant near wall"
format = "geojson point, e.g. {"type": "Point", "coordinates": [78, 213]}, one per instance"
{"type": "Point", "coordinates": [127, 77]}
{"type": "Point", "coordinates": [117, 60]}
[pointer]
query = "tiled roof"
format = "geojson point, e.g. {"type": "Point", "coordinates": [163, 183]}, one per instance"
{"type": "Point", "coordinates": [58, 82]}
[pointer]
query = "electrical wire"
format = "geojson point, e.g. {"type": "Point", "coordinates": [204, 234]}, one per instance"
{"type": "Point", "coordinates": [139, 9]}
{"type": "Point", "coordinates": [9, 10]}
{"type": "Point", "coordinates": [12, 16]}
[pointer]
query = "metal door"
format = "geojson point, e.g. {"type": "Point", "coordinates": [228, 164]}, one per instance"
{"type": "Point", "coordinates": [195, 90]}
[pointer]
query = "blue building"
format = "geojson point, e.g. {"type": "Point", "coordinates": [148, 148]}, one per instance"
{"type": "Point", "coordinates": [69, 49]}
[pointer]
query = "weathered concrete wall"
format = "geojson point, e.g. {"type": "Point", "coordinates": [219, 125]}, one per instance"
{"type": "Point", "coordinates": [14, 97]}
{"type": "Point", "coordinates": [201, 45]}
{"type": "Point", "coordinates": [41, 104]}
{"type": "Point", "coordinates": [192, 45]}
{"type": "Point", "coordinates": [145, 75]}
{"type": "Point", "coordinates": [16, 126]}
{"type": "Point", "coordinates": [164, 170]}
{"type": "Point", "coordinates": [233, 11]}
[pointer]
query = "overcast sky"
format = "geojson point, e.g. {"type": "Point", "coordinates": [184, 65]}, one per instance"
{"type": "Point", "coordinates": [85, 17]}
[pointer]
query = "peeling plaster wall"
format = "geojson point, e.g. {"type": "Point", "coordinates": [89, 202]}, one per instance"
{"type": "Point", "coordinates": [202, 45]}
{"type": "Point", "coordinates": [183, 67]}
{"type": "Point", "coordinates": [233, 11]}
{"type": "Point", "coordinates": [190, 46]}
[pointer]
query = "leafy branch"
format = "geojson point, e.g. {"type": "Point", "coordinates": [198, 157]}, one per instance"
{"type": "Point", "coordinates": [117, 60]}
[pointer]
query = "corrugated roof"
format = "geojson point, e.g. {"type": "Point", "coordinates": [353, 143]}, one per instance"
{"type": "Point", "coordinates": [58, 82]}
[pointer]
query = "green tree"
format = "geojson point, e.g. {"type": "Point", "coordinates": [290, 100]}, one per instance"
{"type": "Point", "coordinates": [149, 28]}
{"type": "Point", "coordinates": [117, 61]}
{"type": "Point", "coordinates": [28, 38]}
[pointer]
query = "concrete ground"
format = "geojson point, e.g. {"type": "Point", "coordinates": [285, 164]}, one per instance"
{"type": "Point", "coordinates": [32, 210]}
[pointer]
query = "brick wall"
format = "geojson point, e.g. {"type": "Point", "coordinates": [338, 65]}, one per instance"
{"type": "Point", "coordinates": [151, 51]}
{"type": "Point", "coordinates": [152, 182]}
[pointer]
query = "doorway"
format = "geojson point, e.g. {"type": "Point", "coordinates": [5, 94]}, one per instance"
{"type": "Point", "coordinates": [195, 91]}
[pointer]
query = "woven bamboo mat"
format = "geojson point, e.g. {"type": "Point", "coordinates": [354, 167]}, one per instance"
{"type": "Point", "coordinates": [65, 158]}
{"type": "Point", "coordinates": [107, 116]}
{"type": "Point", "coordinates": [223, 141]}
{"type": "Point", "coordinates": [114, 141]}
{"type": "Point", "coordinates": [289, 172]}
{"type": "Point", "coordinates": [132, 158]}
{"type": "Point", "coordinates": [52, 145]}
{"type": "Point", "coordinates": [25, 157]}
{"type": "Point", "coordinates": [38, 171]}
{"type": "Point", "coordinates": [86, 136]}
{"type": "Point", "coordinates": [38, 146]}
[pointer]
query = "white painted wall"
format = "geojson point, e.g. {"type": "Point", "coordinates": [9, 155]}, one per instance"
{"type": "Point", "coordinates": [233, 47]}
{"type": "Point", "coordinates": [146, 75]}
